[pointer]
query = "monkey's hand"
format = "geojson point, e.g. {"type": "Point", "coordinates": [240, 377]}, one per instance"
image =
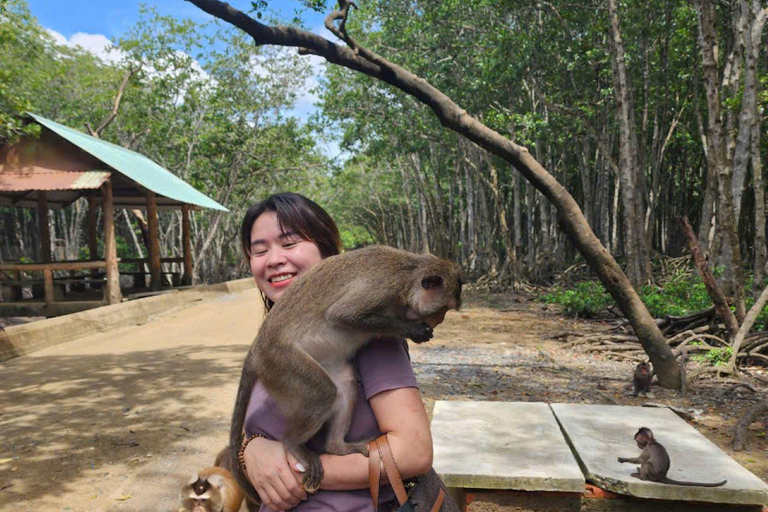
{"type": "Point", "coordinates": [418, 331]}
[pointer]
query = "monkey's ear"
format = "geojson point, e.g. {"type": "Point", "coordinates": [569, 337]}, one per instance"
{"type": "Point", "coordinates": [432, 282]}
{"type": "Point", "coordinates": [216, 481]}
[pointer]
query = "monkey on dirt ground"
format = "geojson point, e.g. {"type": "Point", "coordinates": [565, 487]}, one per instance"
{"type": "Point", "coordinates": [214, 489]}
{"type": "Point", "coordinates": [303, 350]}
{"type": "Point", "coordinates": [641, 379]}
{"type": "Point", "coordinates": [654, 462]}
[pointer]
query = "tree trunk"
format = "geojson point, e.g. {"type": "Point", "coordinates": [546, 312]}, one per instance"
{"type": "Point", "coordinates": [748, 115]}
{"type": "Point", "coordinates": [760, 249]}
{"type": "Point", "coordinates": [635, 245]}
{"type": "Point", "coordinates": [453, 117]}
{"type": "Point", "coordinates": [717, 152]}
{"type": "Point", "coordinates": [44, 226]}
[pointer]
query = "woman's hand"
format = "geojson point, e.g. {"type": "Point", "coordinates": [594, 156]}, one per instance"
{"type": "Point", "coordinates": [273, 473]}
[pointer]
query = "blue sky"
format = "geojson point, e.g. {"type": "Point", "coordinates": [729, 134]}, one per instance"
{"type": "Point", "coordinates": [92, 23]}
{"type": "Point", "coordinates": [113, 17]}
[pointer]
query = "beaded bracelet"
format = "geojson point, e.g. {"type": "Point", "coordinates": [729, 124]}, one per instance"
{"type": "Point", "coordinates": [241, 452]}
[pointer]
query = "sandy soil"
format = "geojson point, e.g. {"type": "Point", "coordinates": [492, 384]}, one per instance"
{"type": "Point", "coordinates": [115, 421]}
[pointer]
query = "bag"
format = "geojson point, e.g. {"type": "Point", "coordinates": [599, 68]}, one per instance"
{"type": "Point", "coordinates": [429, 493]}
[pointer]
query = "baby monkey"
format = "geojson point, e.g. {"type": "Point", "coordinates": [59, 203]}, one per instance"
{"type": "Point", "coordinates": [302, 354]}
{"type": "Point", "coordinates": [211, 489]}
{"type": "Point", "coordinates": [214, 489]}
{"type": "Point", "coordinates": [654, 461]}
{"type": "Point", "coordinates": [641, 380]}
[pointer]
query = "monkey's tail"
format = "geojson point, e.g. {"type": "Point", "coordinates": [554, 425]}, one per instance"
{"type": "Point", "coordinates": [668, 480]}
{"type": "Point", "coordinates": [236, 434]}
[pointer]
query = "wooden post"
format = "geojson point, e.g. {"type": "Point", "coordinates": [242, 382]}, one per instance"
{"type": "Point", "coordinates": [48, 282]}
{"type": "Point", "coordinates": [186, 241]}
{"type": "Point", "coordinates": [43, 226]}
{"type": "Point", "coordinates": [154, 242]}
{"type": "Point", "coordinates": [93, 218]}
{"type": "Point", "coordinates": [114, 296]}
{"type": "Point", "coordinates": [93, 241]}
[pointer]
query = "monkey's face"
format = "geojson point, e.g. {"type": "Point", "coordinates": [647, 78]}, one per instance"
{"type": "Point", "coordinates": [436, 290]}
{"type": "Point", "coordinates": [278, 257]}
{"type": "Point", "coordinates": [643, 369]}
{"type": "Point", "coordinates": [203, 494]}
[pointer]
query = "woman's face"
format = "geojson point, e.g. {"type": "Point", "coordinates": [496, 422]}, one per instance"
{"type": "Point", "coordinates": [277, 257]}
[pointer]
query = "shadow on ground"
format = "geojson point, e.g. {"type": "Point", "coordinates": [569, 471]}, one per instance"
{"type": "Point", "coordinates": [65, 418]}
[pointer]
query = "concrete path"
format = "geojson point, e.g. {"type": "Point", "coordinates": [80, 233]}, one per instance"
{"type": "Point", "coordinates": [116, 420]}
{"type": "Point", "coordinates": [502, 445]}
{"type": "Point", "coordinates": [601, 433]}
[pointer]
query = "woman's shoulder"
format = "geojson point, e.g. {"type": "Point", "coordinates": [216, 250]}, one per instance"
{"type": "Point", "coordinates": [385, 364]}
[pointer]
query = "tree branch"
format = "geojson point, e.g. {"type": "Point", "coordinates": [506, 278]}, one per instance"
{"type": "Point", "coordinates": [450, 115]}
{"type": "Point", "coordinates": [714, 292]}
{"type": "Point", "coordinates": [116, 106]}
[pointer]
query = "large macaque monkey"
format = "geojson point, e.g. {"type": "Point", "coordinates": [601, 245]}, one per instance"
{"type": "Point", "coordinates": [654, 462]}
{"type": "Point", "coordinates": [302, 354]}
{"type": "Point", "coordinates": [641, 379]}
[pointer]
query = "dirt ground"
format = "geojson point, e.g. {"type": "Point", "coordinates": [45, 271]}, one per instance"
{"type": "Point", "coordinates": [115, 421]}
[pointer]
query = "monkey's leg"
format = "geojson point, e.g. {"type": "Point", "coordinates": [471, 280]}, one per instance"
{"type": "Point", "coordinates": [306, 395]}
{"type": "Point", "coordinates": [343, 407]}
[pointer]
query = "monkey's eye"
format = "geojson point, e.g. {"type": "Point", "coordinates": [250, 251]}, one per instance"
{"type": "Point", "coordinates": [432, 282]}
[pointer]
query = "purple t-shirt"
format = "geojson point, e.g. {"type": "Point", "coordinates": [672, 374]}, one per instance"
{"type": "Point", "coordinates": [382, 365]}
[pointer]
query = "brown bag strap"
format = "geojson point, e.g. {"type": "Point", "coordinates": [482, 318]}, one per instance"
{"type": "Point", "coordinates": [390, 466]}
{"type": "Point", "coordinates": [438, 501]}
{"type": "Point", "coordinates": [374, 472]}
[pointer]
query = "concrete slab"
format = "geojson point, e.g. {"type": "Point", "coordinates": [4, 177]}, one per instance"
{"type": "Point", "coordinates": [502, 445]}
{"type": "Point", "coordinates": [600, 434]}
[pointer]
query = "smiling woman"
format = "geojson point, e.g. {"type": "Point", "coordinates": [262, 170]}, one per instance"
{"type": "Point", "coordinates": [284, 236]}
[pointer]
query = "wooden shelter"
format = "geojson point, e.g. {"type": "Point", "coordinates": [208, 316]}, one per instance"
{"type": "Point", "coordinates": [53, 171]}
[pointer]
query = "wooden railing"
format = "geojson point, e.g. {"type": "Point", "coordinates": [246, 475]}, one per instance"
{"type": "Point", "coordinates": [47, 269]}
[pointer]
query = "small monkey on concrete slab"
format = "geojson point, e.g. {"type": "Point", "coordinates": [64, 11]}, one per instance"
{"type": "Point", "coordinates": [654, 462]}
{"type": "Point", "coordinates": [302, 354]}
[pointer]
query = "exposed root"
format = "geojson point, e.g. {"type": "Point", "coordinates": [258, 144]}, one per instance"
{"type": "Point", "coordinates": [740, 431]}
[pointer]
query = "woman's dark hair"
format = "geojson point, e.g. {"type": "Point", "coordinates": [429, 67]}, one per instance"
{"type": "Point", "coordinates": [298, 214]}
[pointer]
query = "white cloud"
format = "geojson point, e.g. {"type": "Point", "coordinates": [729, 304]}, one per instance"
{"type": "Point", "coordinates": [96, 44]}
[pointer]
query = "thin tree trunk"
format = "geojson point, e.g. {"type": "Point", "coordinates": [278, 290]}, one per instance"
{"type": "Point", "coordinates": [760, 248]}
{"type": "Point", "coordinates": [635, 245]}
{"type": "Point", "coordinates": [748, 115]}
{"type": "Point", "coordinates": [717, 151]}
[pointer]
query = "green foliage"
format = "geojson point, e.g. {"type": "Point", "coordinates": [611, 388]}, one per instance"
{"type": "Point", "coordinates": [585, 300]}
{"type": "Point", "coordinates": [23, 46]}
{"type": "Point", "coordinates": [715, 356]}
{"type": "Point", "coordinates": [683, 294]}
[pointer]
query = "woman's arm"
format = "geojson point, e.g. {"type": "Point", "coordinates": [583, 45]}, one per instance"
{"type": "Point", "coordinates": [400, 414]}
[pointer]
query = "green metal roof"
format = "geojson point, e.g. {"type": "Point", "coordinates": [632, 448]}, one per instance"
{"type": "Point", "coordinates": [137, 167]}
